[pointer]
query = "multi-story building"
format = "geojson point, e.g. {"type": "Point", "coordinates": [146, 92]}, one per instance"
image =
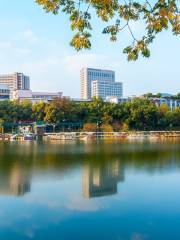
{"type": "Point", "coordinates": [47, 96]}
{"type": "Point", "coordinates": [121, 99]}
{"type": "Point", "coordinates": [171, 102]}
{"type": "Point", "coordinates": [15, 81]}
{"type": "Point", "coordinates": [88, 75]}
{"type": "Point", "coordinates": [35, 96]}
{"type": "Point", "coordinates": [4, 92]}
{"type": "Point", "coordinates": [104, 89]}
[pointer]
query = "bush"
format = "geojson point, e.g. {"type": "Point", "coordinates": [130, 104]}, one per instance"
{"type": "Point", "coordinates": [90, 127]}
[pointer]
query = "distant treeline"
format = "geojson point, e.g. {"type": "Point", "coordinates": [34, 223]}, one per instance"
{"type": "Point", "coordinates": [160, 95]}
{"type": "Point", "coordinates": [140, 114]}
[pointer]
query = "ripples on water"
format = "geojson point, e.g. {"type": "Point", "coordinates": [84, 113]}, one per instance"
{"type": "Point", "coordinates": [91, 190]}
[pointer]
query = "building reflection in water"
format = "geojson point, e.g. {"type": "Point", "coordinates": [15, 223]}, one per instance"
{"type": "Point", "coordinates": [15, 182]}
{"type": "Point", "coordinates": [102, 179]}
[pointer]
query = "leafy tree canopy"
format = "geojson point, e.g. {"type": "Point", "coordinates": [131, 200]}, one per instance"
{"type": "Point", "coordinates": [157, 15]}
{"type": "Point", "coordinates": [140, 114]}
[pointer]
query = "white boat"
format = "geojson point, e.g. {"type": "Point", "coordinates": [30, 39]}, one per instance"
{"type": "Point", "coordinates": [14, 137]}
{"type": "Point", "coordinates": [29, 136]}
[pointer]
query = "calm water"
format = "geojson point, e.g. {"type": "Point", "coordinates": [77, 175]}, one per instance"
{"type": "Point", "coordinates": [90, 191]}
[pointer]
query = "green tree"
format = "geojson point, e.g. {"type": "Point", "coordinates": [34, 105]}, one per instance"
{"type": "Point", "coordinates": [158, 95]}
{"type": "Point", "coordinates": [163, 120]}
{"type": "Point", "coordinates": [61, 110]}
{"type": "Point", "coordinates": [1, 126]}
{"type": "Point", "coordinates": [148, 95]}
{"type": "Point", "coordinates": [157, 16]}
{"type": "Point", "coordinates": [95, 108]}
{"type": "Point", "coordinates": [38, 111]}
{"type": "Point", "coordinates": [53, 113]}
{"type": "Point", "coordinates": [140, 114]}
{"type": "Point", "coordinates": [143, 115]}
{"type": "Point", "coordinates": [24, 110]}
{"type": "Point", "coordinates": [178, 96]}
{"type": "Point", "coordinates": [121, 112]}
{"type": "Point", "coordinates": [173, 118]}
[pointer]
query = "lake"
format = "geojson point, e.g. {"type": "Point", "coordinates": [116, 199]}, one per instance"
{"type": "Point", "coordinates": [94, 190]}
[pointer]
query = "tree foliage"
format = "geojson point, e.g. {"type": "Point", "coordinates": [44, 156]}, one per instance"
{"type": "Point", "coordinates": [140, 114]}
{"type": "Point", "coordinates": [119, 15]}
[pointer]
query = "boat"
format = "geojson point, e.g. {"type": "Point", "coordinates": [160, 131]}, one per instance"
{"type": "Point", "coordinates": [29, 136]}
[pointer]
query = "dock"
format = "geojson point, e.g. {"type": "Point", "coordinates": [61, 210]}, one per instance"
{"type": "Point", "coordinates": [112, 135]}
{"type": "Point", "coordinates": [71, 136]}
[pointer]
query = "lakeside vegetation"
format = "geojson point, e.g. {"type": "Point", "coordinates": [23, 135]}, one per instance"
{"type": "Point", "coordinates": [140, 114]}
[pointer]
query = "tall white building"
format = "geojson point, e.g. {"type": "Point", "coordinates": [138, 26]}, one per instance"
{"type": "Point", "coordinates": [99, 83]}
{"type": "Point", "coordinates": [15, 81]}
{"type": "Point", "coordinates": [104, 89]}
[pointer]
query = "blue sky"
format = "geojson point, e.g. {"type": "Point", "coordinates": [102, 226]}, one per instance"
{"type": "Point", "coordinates": [37, 44]}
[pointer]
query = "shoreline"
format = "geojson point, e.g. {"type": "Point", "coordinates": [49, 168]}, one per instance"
{"type": "Point", "coordinates": [130, 135]}
{"type": "Point", "coordinates": [139, 135]}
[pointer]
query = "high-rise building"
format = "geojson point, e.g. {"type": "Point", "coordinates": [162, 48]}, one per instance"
{"type": "Point", "coordinates": [101, 80]}
{"type": "Point", "coordinates": [15, 81]}
{"type": "Point", "coordinates": [104, 89]}
{"type": "Point", "coordinates": [88, 75]}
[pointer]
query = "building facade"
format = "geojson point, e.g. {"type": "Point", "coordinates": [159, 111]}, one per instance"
{"type": "Point", "coordinates": [88, 75]}
{"type": "Point", "coordinates": [104, 89]}
{"type": "Point", "coordinates": [121, 99]}
{"type": "Point", "coordinates": [15, 81]}
{"type": "Point", "coordinates": [35, 96]}
{"type": "Point", "coordinates": [47, 96]}
{"type": "Point", "coordinates": [171, 102]}
{"type": "Point", "coordinates": [4, 92]}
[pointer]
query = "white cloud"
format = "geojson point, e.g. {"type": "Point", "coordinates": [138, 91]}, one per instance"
{"type": "Point", "coordinates": [50, 203]}
{"type": "Point", "coordinates": [10, 54]}
{"type": "Point", "coordinates": [138, 236]}
{"type": "Point", "coordinates": [29, 36]}
{"type": "Point", "coordinates": [77, 203]}
{"type": "Point", "coordinates": [8, 47]}
{"type": "Point", "coordinates": [77, 61]}
{"type": "Point", "coordinates": [5, 44]}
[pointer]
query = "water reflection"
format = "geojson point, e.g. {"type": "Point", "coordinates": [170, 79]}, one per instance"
{"type": "Point", "coordinates": [103, 166]}
{"type": "Point", "coordinates": [89, 191]}
{"type": "Point", "coordinates": [101, 179]}
{"type": "Point", "coordinates": [15, 181]}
